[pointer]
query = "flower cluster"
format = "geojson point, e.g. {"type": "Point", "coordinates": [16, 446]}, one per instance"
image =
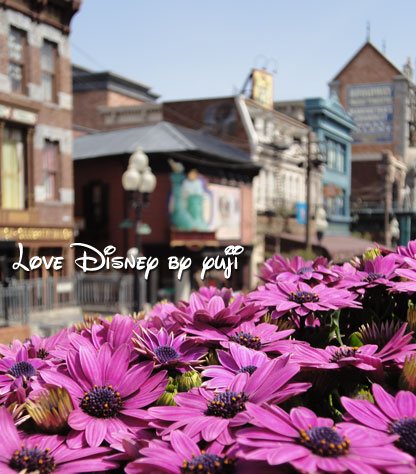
{"type": "Point", "coordinates": [314, 371]}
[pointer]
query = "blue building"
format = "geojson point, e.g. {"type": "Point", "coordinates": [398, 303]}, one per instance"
{"type": "Point", "coordinates": [333, 127]}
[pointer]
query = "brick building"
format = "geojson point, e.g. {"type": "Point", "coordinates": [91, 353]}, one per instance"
{"type": "Point", "coordinates": [99, 97]}
{"type": "Point", "coordinates": [223, 176]}
{"type": "Point", "coordinates": [381, 99]}
{"type": "Point", "coordinates": [36, 179]}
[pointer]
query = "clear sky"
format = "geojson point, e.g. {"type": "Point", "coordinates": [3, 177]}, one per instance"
{"type": "Point", "coordinates": [204, 48]}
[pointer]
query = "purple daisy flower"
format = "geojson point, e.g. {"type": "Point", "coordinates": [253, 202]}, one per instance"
{"type": "Point", "coordinates": [202, 314]}
{"type": "Point", "coordinates": [19, 375]}
{"type": "Point", "coordinates": [45, 454]}
{"type": "Point", "coordinates": [392, 415]}
{"type": "Point", "coordinates": [380, 271]}
{"type": "Point", "coordinates": [129, 443]}
{"type": "Point", "coordinates": [301, 298]}
{"type": "Point", "coordinates": [312, 444]}
{"type": "Point", "coordinates": [409, 274]}
{"type": "Point", "coordinates": [210, 415]}
{"type": "Point", "coordinates": [278, 268]}
{"type": "Point", "coordinates": [116, 332]}
{"type": "Point", "coordinates": [182, 456]}
{"type": "Point", "coordinates": [238, 360]}
{"type": "Point", "coordinates": [334, 357]}
{"type": "Point", "coordinates": [397, 348]}
{"type": "Point", "coordinates": [107, 395]}
{"type": "Point", "coordinates": [167, 350]}
{"type": "Point", "coordinates": [409, 251]}
{"type": "Point", "coordinates": [43, 347]}
{"type": "Point", "coordinates": [160, 316]}
{"type": "Point", "coordinates": [262, 337]}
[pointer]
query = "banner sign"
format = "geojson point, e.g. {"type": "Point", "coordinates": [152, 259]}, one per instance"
{"type": "Point", "coordinates": [262, 87]}
{"type": "Point", "coordinates": [371, 107]}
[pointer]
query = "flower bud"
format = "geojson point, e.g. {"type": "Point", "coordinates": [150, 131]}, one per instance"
{"type": "Point", "coordinates": [371, 254]}
{"type": "Point", "coordinates": [411, 316]}
{"type": "Point", "coordinates": [167, 397]}
{"type": "Point", "coordinates": [211, 358]}
{"type": "Point", "coordinates": [51, 409]}
{"type": "Point", "coordinates": [188, 380]}
{"type": "Point", "coordinates": [407, 379]}
{"type": "Point", "coordinates": [361, 393]}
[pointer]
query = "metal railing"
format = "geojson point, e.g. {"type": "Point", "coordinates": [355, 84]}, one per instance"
{"type": "Point", "coordinates": [97, 293]}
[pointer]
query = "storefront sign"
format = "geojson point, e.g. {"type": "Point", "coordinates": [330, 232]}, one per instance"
{"type": "Point", "coordinates": [330, 190]}
{"type": "Point", "coordinates": [371, 107]}
{"type": "Point", "coordinates": [35, 233]}
{"type": "Point", "coordinates": [19, 115]}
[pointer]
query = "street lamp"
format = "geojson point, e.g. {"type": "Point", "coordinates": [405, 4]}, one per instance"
{"type": "Point", "coordinates": [139, 181]}
{"type": "Point", "coordinates": [311, 163]}
{"type": "Point", "coordinates": [394, 231]}
{"type": "Point", "coordinates": [321, 224]}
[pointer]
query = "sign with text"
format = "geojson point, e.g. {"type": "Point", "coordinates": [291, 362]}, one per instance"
{"type": "Point", "coordinates": [371, 107]}
{"type": "Point", "coordinates": [262, 87]}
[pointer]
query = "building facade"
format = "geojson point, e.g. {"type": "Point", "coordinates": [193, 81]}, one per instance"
{"type": "Point", "coordinates": [333, 126]}
{"type": "Point", "coordinates": [202, 202]}
{"type": "Point", "coordinates": [107, 101]}
{"type": "Point", "coordinates": [36, 179]}
{"type": "Point", "coordinates": [381, 100]}
{"type": "Point", "coordinates": [277, 143]}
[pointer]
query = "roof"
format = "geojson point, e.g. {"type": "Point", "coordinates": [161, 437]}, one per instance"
{"type": "Point", "coordinates": [367, 43]}
{"type": "Point", "coordinates": [163, 137]}
{"type": "Point", "coordinates": [275, 113]}
{"type": "Point", "coordinates": [84, 79]}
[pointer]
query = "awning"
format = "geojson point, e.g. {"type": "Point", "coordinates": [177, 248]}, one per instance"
{"type": "Point", "coordinates": [339, 248]}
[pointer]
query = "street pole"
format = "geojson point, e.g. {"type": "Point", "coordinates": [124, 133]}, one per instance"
{"type": "Point", "coordinates": [388, 190]}
{"type": "Point", "coordinates": [308, 192]}
{"type": "Point", "coordinates": [137, 243]}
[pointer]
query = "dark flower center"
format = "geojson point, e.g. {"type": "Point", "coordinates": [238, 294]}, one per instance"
{"type": "Point", "coordinates": [406, 429]}
{"type": "Point", "coordinates": [324, 441]}
{"type": "Point", "coordinates": [22, 369]}
{"type": "Point", "coordinates": [303, 297]}
{"type": "Point", "coordinates": [166, 354]}
{"type": "Point", "coordinates": [250, 369]}
{"type": "Point", "coordinates": [102, 402]}
{"type": "Point", "coordinates": [207, 463]}
{"type": "Point", "coordinates": [32, 460]}
{"type": "Point", "coordinates": [344, 352]}
{"type": "Point", "coordinates": [304, 270]}
{"type": "Point", "coordinates": [246, 339]}
{"type": "Point", "coordinates": [227, 404]}
{"type": "Point", "coordinates": [42, 353]}
{"type": "Point", "coordinates": [372, 276]}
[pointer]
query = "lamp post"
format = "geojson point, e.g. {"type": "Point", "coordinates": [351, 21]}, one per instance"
{"type": "Point", "coordinates": [311, 163]}
{"type": "Point", "coordinates": [321, 224]}
{"type": "Point", "coordinates": [139, 181]}
{"type": "Point", "coordinates": [394, 231]}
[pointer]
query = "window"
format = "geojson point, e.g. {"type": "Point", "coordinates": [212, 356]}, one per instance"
{"type": "Point", "coordinates": [12, 169]}
{"type": "Point", "coordinates": [335, 156]}
{"type": "Point", "coordinates": [95, 203]}
{"type": "Point", "coordinates": [48, 66]}
{"type": "Point", "coordinates": [50, 170]}
{"type": "Point", "coordinates": [335, 205]}
{"type": "Point", "coordinates": [17, 55]}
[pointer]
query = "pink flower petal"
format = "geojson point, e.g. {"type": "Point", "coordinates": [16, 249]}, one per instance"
{"type": "Point", "coordinates": [96, 431]}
